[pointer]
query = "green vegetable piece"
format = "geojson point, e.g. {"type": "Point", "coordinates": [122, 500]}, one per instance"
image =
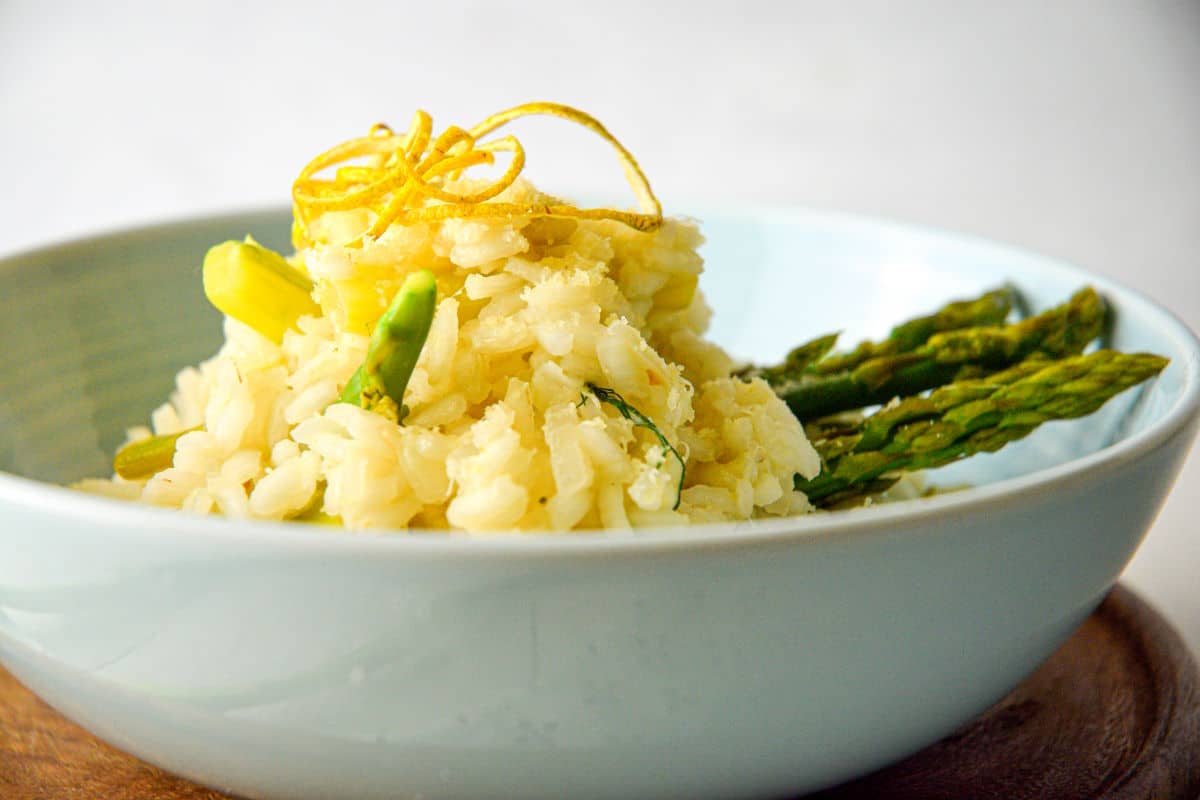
{"type": "Point", "coordinates": [948, 356]}
{"type": "Point", "coordinates": [639, 420]}
{"type": "Point", "coordinates": [796, 363]}
{"type": "Point", "coordinates": [991, 308]}
{"type": "Point", "coordinates": [812, 358]}
{"type": "Point", "coordinates": [394, 348]}
{"type": "Point", "coordinates": [143, 458]}
{"type": "Point", "coordinates": [256, 286]}
{"type": "Point", "coordinates": [966, 417]}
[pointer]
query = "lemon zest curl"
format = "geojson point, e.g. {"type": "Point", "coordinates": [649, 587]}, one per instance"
{"type": "Point", "coordinates": [402, 177]}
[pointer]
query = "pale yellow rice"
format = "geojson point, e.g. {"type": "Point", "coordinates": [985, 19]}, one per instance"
{"type": "Point", "coordinates": [502, 433]}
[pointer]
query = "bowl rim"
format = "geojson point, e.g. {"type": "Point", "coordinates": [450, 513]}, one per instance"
{"type": "Point", "coordinates": [142, 519]}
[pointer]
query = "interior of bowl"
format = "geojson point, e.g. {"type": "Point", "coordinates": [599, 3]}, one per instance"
{"type": "Point", "coordinates": [94, 334]}
{"type": "Point", "coordinates": [95, 331]}
{"type": "Point", "coordinates": [776, 279]}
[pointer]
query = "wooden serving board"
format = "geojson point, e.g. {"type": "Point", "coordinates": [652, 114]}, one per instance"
{"type": "Point", "coordinates": [1113, 715]}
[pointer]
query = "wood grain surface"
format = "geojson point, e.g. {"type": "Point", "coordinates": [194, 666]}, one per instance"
{"type": "Point", "coordinates": [1113, 715]}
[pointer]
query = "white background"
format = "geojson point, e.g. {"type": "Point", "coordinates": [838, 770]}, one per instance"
{"type": "Point", "coordinates": [1069, 127]}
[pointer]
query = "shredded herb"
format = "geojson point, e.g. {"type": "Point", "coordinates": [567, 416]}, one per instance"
{"type": "Point", "coordinates": [639, 420]}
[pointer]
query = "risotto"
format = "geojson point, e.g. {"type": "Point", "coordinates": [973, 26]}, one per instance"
{"type": "Point", "coordinates": [564, 382]}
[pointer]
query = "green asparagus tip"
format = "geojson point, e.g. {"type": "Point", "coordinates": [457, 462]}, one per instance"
{"type": "Point", "coordinates": [966, 417]}
{"type": "Point", "coordinates": [145, 457]}
{"type": "Point", "coordinates": [395, 346]}
{"type": "Point", "coordinates": [957, 349]}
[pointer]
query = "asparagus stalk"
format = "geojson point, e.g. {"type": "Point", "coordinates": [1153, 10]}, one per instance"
{"type": "Point", "coordinates": [799, 361]}
{"type": "Point", "coordinates": [258, 287]}
{"type": "Point", "coordinates": [947, 356]}
{"type": "Point", "coordinates": [968, 417]}
{"type": "Point", "coordinates": [394, 348]}
{"type": "Point", "coordinates": [991, 308]}
{"type": "Point", "coordinates": [145, 457]}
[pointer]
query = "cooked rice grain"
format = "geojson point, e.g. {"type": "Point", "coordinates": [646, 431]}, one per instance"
{"type": "Point", "coordinates": [502, 432]}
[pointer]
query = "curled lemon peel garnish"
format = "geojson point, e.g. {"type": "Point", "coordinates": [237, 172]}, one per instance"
{"type": "Point", "coordinates": [402, 177]}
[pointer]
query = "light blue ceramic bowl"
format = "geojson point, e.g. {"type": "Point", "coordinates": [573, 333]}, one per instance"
{"type": "Point", "coordinates": [759, 659]}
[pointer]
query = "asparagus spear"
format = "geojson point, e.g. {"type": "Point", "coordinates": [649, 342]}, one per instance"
{"type": "Point", "coordinates": [145, 457]}
{"type": "Point", "coordinates": [968, 417]}
{"type": "Point", "coordinates": [947, 356]}
{"type": "Point", "coordinates": [395, 345]}
{"type": "Point", "coordinates": [256, 286]}
{"type": "Point", "coordinates": [796, 363]}
{"type": "Point", "coordinates": [991, 308]}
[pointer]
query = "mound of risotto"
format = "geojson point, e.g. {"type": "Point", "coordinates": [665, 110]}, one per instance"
{"type": "Point", "coordinates": [444, 352]}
